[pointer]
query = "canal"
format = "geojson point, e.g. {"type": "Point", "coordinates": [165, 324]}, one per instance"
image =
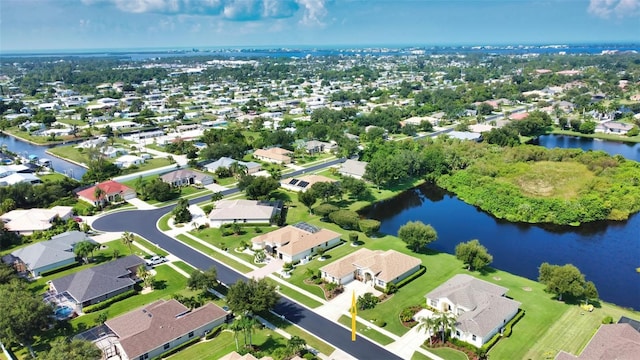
{"type": "Point", "coordinates": [607, 252]}
{"type": "Point", "coordinates": [25, 149]}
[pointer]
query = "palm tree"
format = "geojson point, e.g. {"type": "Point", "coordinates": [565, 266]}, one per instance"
{"type": "Point", "coordinates": [237, 169]}
{"type": "Point", "coordinates": [296, 344]}
{"type": "Point", "coordinates": [127, 239]}
{"type": "Point", "coordinates": [83, 249]}
{"type": "Point", "coordinates": [429, 325]}
{"type": "Point", "coordinates": [143, 274]}
{"type": "Point", "coordinates": [99, 194]}
{"type": "Point", "coordinates": [446, 321]}
{"type": "Point", "coordinates": [236, 327]}
{"type": "Point", "coordinates": [248, 324]}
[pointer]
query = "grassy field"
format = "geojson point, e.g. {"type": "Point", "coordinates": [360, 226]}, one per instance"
{"type": "Point", "coordinates": [51, 177]}
{"type": "Point", "coordinates": [151, 247]}
{"type": "Point", "coordinates": [295, 295]}
{"type": "Point", "coordinates": [311, 340]}
{"type": "Point", "coordinates": [148, 165]}
{"type": "Point", "coordinates": [264, 339]}
{"type": "Point", "coordinates": [448, 354]}
{"type": "Point", "coordinates": [70, 152]}
{"type": "Point", "coordinates": [184, 266]}
{"type": "Point", "coordinates": [223, 259]}
{"type": "Point", "coordinates": [366, 330]}
{"type": "Point", "coordinates": [419, 356]}
{"type": "Point", "coordinates": [214, 237]}
{"type": "Point", "coordinates": [564, 180]}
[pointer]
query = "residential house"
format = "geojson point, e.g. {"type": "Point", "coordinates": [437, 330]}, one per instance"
{"type": "Point", "coordinates": [374, 267]}
{"type": "Point", "coordinates": [274, 155]}
{"type": "Point", "coordinates": [26, 222]}
{"type": "Point", "coordinates": [614, 127]}
{"type": "Point", "coordinates": [465, 135]}
{"type": "Point", "coordinates": [353, 168]}
{"type": "Point", "coordinates": [47, 255]}
{"type": "Point", "coordinates": [243, 211]}
{"type": "Point", "coordinates": [111, 191]}
{"type": "Point", "coordinates": [17, 178]}
{"type": "Point", "coordinates": [127, 161]}
{"type": "Point", "coordinates": [612, 341]}
{"type": "Point", "coordinates": [99, 283]}
{"type": "Point", "coordinates": [295, 242]}
{"type": "Point", "coordinates": [315, 146]}
{"type": "Point", "coordinates": [154, 329]}
{"type": "Point", "coordinates": [185, 177]}
{"type": "Point", "coordinates": [252, 167]}
{"type": "Point", "coordinates": [304, 183]}
{"type": "Point", "coordinates": [481, 308]}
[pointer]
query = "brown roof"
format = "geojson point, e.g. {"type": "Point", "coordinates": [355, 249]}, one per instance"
{"type": "Point", "coordinates": [158, 323]}
{"type": "Point", "coordinates": [242, 209]}
{"type": "Point", "coordinates": [273, 153]}
{"type": "Point", "coordinates": [615, 341]}
{"type": "Point", "coordinates": [292, 240]}
{"type": "Point", "coordinates": [235, 356]}
{"type": "Point", "coordinates": [387, 265]}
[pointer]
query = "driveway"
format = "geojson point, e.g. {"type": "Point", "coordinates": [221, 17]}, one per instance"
{"type": "Point", "coordinates": [341, 303]}
{"type": "Point", "coordinates": [140, 204]}
{"type": "Point", "coordinates": [273, 266]}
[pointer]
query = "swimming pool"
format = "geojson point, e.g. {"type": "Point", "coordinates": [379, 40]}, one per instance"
{"type": "Point", "coordinates": [63, 312]}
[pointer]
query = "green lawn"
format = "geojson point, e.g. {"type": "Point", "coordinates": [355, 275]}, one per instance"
{"type": "Point", "coordinates": [151, 247]}
{"type": "Point", "coordinates": [295, 295]}
{"type": "Point", "coordinates": [214, 237]}
{"type": "Point", "coordinates": [292, 329]}
{"type": "Point", "coordinates": [448, 354]}
{"type": "Point", "coordinates": [222, 258]}
{"type": "Point", "coordinates": [184, 266]}
{"type": "Point", "coordinates": [148, 165]}
{"type": "Point", "coordinates": [367, 331]}
{"type": "Point", "coordinates": [163, 223]}
{"type": "Point", "coordinates": [419, 356]}
{"type": "Point", "coordinates": [70, 152]}
{"type": "Point", "coordinates": [52, 177]}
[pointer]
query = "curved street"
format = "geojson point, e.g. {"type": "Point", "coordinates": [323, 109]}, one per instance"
{"type": "Point", "coordinates": [143, 223]}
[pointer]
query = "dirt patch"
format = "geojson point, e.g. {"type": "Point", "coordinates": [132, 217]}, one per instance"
{"type": "Point", "coordinates": [526, 288]}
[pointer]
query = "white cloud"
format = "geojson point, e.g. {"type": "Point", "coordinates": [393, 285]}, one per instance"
{"type": "Point", "coordinates": [617, 8]}
{"type": "Point", "coordinates": [236, 10]}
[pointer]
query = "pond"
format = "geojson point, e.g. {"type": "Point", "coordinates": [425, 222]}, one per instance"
{"type": "Point", "coordinates": [608, 253]}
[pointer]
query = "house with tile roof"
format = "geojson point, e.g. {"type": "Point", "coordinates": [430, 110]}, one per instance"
{"type": "Point", "coordinates": [99, 283]}
{"type": "Point", "coordinates": [112, 191]}
{"type": "Point", "coordinates": [47, 255]}
{"type": "Point", "coordinates": [274, 155]}
{"type": "Point", "coordinates": [481, 308]}
{"type": "Point", "coordinates": [373, 267]}
{"type": "Point", "coordinates": [156, 328]}
{"type": "Point", "coordinates": [27, 221]}
{"type": "Point", "coordinates": [186, 177]}
{"type": "Point", "coordinates": [295, 242]}
{"type": "Point", "coordinates": [243, 211]}
{"type": "Point", "coordinates": [612, 341]}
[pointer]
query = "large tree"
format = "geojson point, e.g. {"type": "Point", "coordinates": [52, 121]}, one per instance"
{"type": "Point", "coordinates": [417, 235]}
{"type": "Point", "coordinates": [24, 314]}
{"type": "Point", "coordinates": [473, 254]}
{"type": "Point", "coordinates": [258, 187]}
{"type": "Point", "coordinates": [203, 280]}
{"type": "Point", "coordinates": [251, 296]}
{"type": "Point", "coordinates": [61, 349]}
{"type": "Point", "coordinates": [308, 198]}
{"type": "Point", "coordinates": [181, 212]}
{"type": "Point", "coordinates": [566, 279]}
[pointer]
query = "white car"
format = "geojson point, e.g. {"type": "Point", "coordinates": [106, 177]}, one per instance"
{"type": "Point", "coordinates": [155, 260]}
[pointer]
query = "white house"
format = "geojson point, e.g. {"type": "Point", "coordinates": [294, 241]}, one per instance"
{"type": "Point", "coordinates": [243, 211]}
{"type": "Point", "coordinates": [295, 242]}
{"type": "Point", "coordinates": [127, 161]}
{"type": "Point", "coordinates": [373, 267]}
{"type": "Point", "coordinates": [481, 308]}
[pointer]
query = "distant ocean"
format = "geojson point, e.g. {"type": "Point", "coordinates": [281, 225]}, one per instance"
{"type": "Point", "coordinates": [301, 52]}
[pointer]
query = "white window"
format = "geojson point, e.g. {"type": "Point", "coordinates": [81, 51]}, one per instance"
{"type": "Point", "coordinates": [433, 303]}
{"type": "Point", "coordinates": [473, 337]}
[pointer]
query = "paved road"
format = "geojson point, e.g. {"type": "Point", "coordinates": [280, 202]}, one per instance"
{"type": "Point", "coordinates": [143, 223]}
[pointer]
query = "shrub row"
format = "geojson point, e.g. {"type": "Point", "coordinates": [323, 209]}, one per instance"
{"type": "Point", "coordinates": [507, 331]}
{"type": "Point", "coordinates": [213, 333]}
{"type": "Point", "coordinates": [177, 348]}
{"type": "Point", "coordinates": [413, 276]}
{"type": "Point", "coordinates": [105, 304]}
{"type": "Point", "coordinates": [59, 269]}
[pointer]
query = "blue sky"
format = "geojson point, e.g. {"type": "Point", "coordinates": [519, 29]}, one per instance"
{"type": "Point", "coordinates": [100, 24]}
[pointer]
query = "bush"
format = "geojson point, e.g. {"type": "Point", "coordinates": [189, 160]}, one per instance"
{"type": "Point", "coordinates": [213, 333]}
{"type": "Point", "coordinates": [367, 301]}
{"type": "Point", "coordinates": [59, 269]}
{"type": "Point", "coordinates": [346, 219]}
{"type": "Point", "coordinates": [353, 237]}
{"type": "Point", "coordinates": [177, 348]}
{"type": "Point", "coordinates": [207, 209]}
{"type": "Point", "coordinates": [607, 320]}
{"type": "Point", "coordinates": [406, 314]}
{"type": "Point", "coordinates": [325, 209]}
{"type": "Point", "coordinates": [369, 226]}
{"type": "Point", "coordinates": [508, 329]}
{"type": "Point", "coordinates": [380, 323]}
{"type": "Point", "coordinates": [105, 304]}
{"type": "Point", "coordinates": [463, 344]}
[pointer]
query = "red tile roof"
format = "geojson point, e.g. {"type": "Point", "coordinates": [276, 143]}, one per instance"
{"type": "Point", "coordinates": [110, 187]}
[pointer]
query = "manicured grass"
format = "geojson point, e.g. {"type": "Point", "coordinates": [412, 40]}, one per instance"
{"type": "Point", "coordinates": [448, 354]}
{"type": "Point", "coordinates": [151, 247]}
{"type": "Point", "coordinates": [184, 266]}
{"type": "Point", "coordinates": [223, 259]}
{"type": "Point", "coordinates": [294, 294]}
{"type": "Point", "coordinates": [147, 165]}
{"type": "Point", "coordinates": [52, 177]}
{"type": "Point", "coordinates": [573, 330]}
{"type": "Point", "coordinates": [163, 223]}
{"type": "Point", "coordinates": [71, 153]}
{"type": "Point", "coordinates": [292, 329]}
{"type": "Point", "coordinates": [214, 237]}
{"type": "Point", "coordinates": [419, 356]}
{"type": "Point", "coordinates": [367, 331]}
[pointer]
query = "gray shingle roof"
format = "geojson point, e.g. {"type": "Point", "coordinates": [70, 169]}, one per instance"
{"type": "Point", "coordinates": [48, 252]}
{"type": "Point", "coordinates": [97, 281]}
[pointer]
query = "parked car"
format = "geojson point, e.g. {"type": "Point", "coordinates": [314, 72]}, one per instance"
{"type": "Point", "coordinates": [155, 260]}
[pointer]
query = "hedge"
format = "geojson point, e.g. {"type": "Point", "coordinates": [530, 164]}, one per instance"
{"type": "Point", "coordinates": [177, 348]}
{"type": "Point", "coordinates": [413, 276]}
{"type": "Point", "coordinates": [59, 269]}
{"type": "Point", "coordinates": [507, 331]}
{"type": "Point", "coordinates": [213, 333]}
{"type": "Point", "coordinates": [105, 304]}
